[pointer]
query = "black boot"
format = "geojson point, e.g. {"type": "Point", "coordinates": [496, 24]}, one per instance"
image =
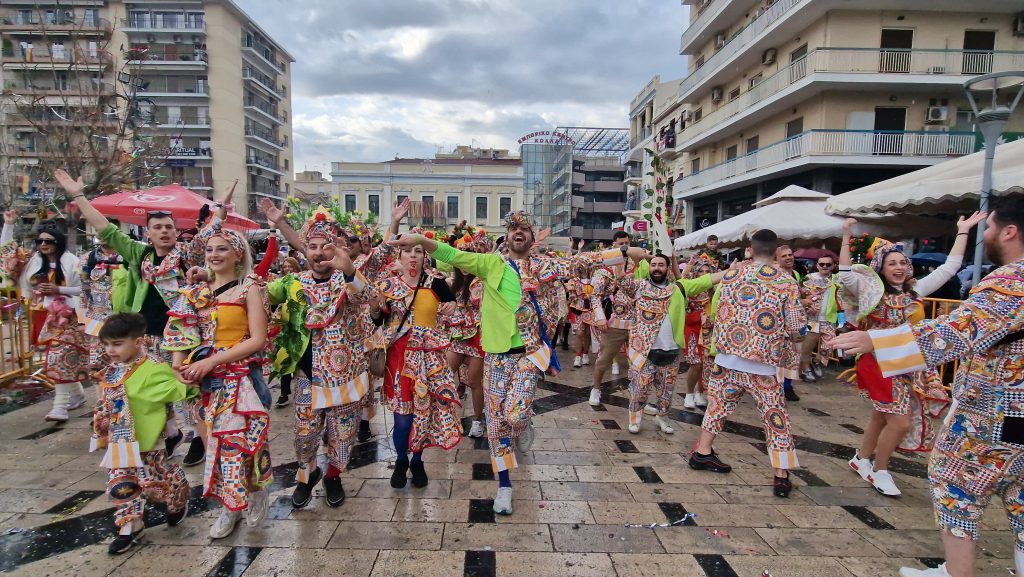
{"type": "Point", "coordinates": [365, 434]}
{"type": "Point", "coordinates": [304, 491]}
{"type": "Point", "coordinates": [419, 474]}
{"type": "Point", "coordinates": [398, 478]}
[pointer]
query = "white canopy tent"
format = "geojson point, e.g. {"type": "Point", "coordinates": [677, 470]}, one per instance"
{"type": "Point", "coordinates": [796, 213]}
{"type": "Point", "coordinates": [946, 186]}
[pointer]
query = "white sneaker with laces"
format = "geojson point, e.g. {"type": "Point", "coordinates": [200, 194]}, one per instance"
{"type": "Point", "coordinates": [577, 362]}
{"type": "Point", "coordinates": [939, 571]}
{"type": "Point", "coordinates": [634, 428]}
{"type": "Point", "coordinates": [58, 414]}
{"type": "Point", "coordinates": [476, 430]}
{"type": "Point", "coordinates": [688, 401]}
{"type": "Point", "coordinates": [525, 441]}
{"type": "Point", "coordinates": [884, 484]}
{"type": "Point", "coordinates": [224, 524]}
{"type": "Point", "coordinates": [700, 400]}
{"type": "Point", "coordinates": [595, 397]}
{"type": "Point", "coordinates": [650, 409]}
{"type": "Point", "coordinates": [503, 501]}
{"type": "Point", "coordinates": [615, 369]}
{"type": "Point", "coordinates": [862, 467]}
{"type": "Point", "coordinates": [257, 510]}
{"type": "Point", "coordinates": [664, 425]}
{"type": "Point", "coordinates": [586, 360]}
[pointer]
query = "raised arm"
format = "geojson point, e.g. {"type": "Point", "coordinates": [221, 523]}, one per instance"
{"type": "Point", "coordinates": [75, 191]}
{"type": "Point", "coordinates": [276, 218]}
{"type": "Point", "coordinates": [948, 270]}
{"type": "Point", "coordinates": [845, 256]}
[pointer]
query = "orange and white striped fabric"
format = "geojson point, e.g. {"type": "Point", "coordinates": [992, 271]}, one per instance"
{"type": "Point", "coordinates": [122, 455]}
{"type": "Point", "coordinates": [504, 462]}
{"type": "Point", "coordinates": [896, 351]}
{"type": "Point", "coordinates": [350, 392]}
{"type": "Point", "coordinates": [541, 357]}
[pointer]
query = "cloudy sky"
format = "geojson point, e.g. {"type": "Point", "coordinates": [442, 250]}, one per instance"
{"type": "Point", "coordinates": [376, 78]}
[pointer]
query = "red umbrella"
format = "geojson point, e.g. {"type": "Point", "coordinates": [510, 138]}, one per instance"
{"type": "Point", "coordinates": [134, 206]}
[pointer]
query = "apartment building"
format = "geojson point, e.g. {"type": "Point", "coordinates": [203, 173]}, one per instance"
{"type": "Point", "coordinates": [478, 185]}
{"type": "Point", "coordinates": [827, 94]}
{"type": "Point", "coordinates": [211, 86]}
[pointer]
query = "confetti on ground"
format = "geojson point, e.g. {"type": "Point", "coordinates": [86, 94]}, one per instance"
{"type": "Point", "coordinates": [718, 533]}
{"type": "Point", "coordinates": [685, 518]}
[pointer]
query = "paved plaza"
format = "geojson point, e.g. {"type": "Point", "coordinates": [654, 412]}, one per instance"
{"type": "Point", "coordinates": [585, 478]}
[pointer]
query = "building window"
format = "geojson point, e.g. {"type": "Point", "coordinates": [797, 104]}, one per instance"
{"type": "Point", "coordinates": [374, 200]}
{"type": "Point", "coordinates": [350, 202]}
{"type": "Point", "coordinates": [695, 166]}
{"type": "Point", "coordinates": [730, 153]}
{"type": "Point", "coordinates": [401, 198]}
{"type": "Point", "coordinates": [453, 208]}
{"type": "Point", "coordinates": [753, 143]}
{"type": "Point", "coordinates": [428, 209]}
{"type": "Point", "coordinates": [755, 80]}
{"type": "Point", "coordinates": [700, 61]}
{"type": "Point", "coordinates": [734, 93]}
{"type": "Point", "coordinates": [505, 204]}
{"type": "Point", "coordinates": [698, 114]}
{"type": "Point", "coordinates": [481, 208]}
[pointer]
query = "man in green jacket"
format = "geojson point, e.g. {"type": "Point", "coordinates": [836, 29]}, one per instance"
{"type": "Point", "coordinates": [518, 318]}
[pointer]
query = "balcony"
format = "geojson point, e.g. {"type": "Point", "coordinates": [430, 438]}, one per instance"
{"type": "Point", "coordinates": [174, 86]}
{"type": "Point", "coordinates": [258, 164]}
{"type": "Point", "coordinates": [712, 15]}
{"type": "Point", "coordinates": [40, 59]}
{"type": "Point", "coordinates": [264, 54]}
{"type": "Point", "coordinates": [45, 86]}
{"type": "Point", "coordinates": [666, 146]}
{"type": "Point", "coordinates": [640, 138]}
{"type": "Point", "coordinates": [267, 137]}
{"type": "Point", "coordinates": [268, 112]}
{"type": "Point", "coordinates": [163, 23]}
{"type": "Point", "coordinates": [845, 68]}
{"type": "Point", "coordinates": [263, 81]}
{"type": "Point", "coordinates": [165, 57]}
{"type": "Point", "coordinates": [828, 147]}
{"type": "Point", "coordinates": [182, 121]}
{"type": "Point", "coordinates": [53, 23]}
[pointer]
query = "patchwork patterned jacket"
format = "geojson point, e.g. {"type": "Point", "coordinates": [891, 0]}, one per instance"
{"type": "Point", "coordinates": [607, 282]}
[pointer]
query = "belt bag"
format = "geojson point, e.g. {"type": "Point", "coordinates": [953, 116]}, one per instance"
{"type": "Point", "coordinates": [662, 358]}
{"type": "Point", "coordinates": [378, 358]}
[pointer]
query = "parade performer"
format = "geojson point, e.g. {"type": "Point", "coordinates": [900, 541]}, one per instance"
{"type": "Point", "coordinates": [98, 269]}
{"type": "Point", "coordinates": [51, 282]}
{"type": "Point", "coordinates": [698, 331]}
{"type": "Point", "coordinates": [217, 330]}
{"type": "Point", "coordinates": [518, 311]}
{"type": "Point", "coordinates": [156, 270]}
{"type": "Point", "coordinates": [657, 335]}
{"type": "Point", "coordinates": [419, 385]}
{"type": "Point", "coordinates": [465, 327]}
{"type": "Point", "coordinates": [128, 421]}
{"type": "Point", "coordinates": [980, 451]}
{"type": "Point", "coordinates": [757, 317]}
{"type": "Point", "coordinates": [613, 314]}
{"type": "Point", "coordinates": [790, 369]}
{"type": "Point", "coordinates": [580, 290]}
{"type": "Point", "coordinates": [881, 296]}
{"type": "Point", "coordinates": [818, 295]}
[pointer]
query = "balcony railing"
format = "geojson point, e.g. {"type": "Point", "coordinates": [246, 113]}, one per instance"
{"type": "Point", "coordinates": [877, 143]}
{"type": "Point", "coordinates": [267, 53]}
{"type": "Point", "coordinates": [58, 20]}
{"type": "Point", "coordinates": [162, 22]}
{"type": "Point", "coordinates": [156, 55]}
{"type": "Point", "coordinates": [270, 111]}
{"type": "Point", "coordinates": [262, 79]}
{"type": "Point", "coordinates": [857, 61]}
{"type": "Point", "coordinates": [181, 120]}
{"type": "Point", "coordinates": [737, 42]}
{"type": "Point", "coordinates": [266, 135]}
{"type": "Point", "coordinates": [644, 134]}
{"type": "Point", "coordinates": [174, 85]}
{"type": "Point", "coordinates": [703, 17]}
{"type": "Point", "coordinates": [264, 162]}
{"type": "Point", "coordinates": [66, 56]}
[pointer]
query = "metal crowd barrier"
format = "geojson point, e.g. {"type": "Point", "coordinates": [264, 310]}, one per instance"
{"type": "Point", "coordinates": [16, 354]}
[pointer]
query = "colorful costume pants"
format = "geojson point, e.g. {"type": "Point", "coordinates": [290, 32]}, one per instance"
{"type": "Point", "coordinates": [651, 377]}
{"type": "Point", "coordinates": [157, 480]}
{"type": "Point", "coordinates": [726, 386]}
{"type": "Point", "coordinates": [965, 473]}
{"type": "Point", "coordinates": [340, 424]}
{"type": "Point", "coordinates": [510, 384]}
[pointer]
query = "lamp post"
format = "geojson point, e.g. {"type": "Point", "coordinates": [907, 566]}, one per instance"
{"type": "Point", "coordinates": [991, 120]}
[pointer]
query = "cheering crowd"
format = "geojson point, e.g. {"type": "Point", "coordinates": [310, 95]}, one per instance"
{"type": "Point", "coordinates": [184, 337]}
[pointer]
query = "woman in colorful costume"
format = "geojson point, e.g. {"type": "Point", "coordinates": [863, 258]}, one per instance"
{"type": "Point", "coordinates": [419, 386]}
{"type": "Point", "coordinates": [699, 324]}
{"type": "Point", "coordinates": [223, 323]}
{"type": "Point", "coordinates": [881, 296]}
{"type": "Point", "coordinates": [99, 267]}
{"type": "Point", "coordinates": [580, 290]}
{"type": "Point", "coordinates": [50, 280]}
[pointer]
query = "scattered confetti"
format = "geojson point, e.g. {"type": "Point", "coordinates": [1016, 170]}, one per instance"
{"type": "Point", "coordinates": [719, 533]}
{"type": "Point", "coordinates": [685, 518]}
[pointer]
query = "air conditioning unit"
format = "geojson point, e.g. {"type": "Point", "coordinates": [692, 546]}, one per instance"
{"type": "Point", "coordinates": [720, 40]}
{"type": "Point", "coordinates": [716, 94]}
{"type": "Point", "coordinates": [937, 114]}
{"type": "Point", "coordinates": [688, 116]}
{"type": "Point", "coordinates": [1018, 25]}
{"type": "Point", "coordinates": [769, 56]}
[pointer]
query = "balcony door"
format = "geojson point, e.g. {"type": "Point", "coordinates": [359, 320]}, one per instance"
{"type": "Point", "coordinates": [890, 124]}
{"type": "Point", "coordinates": [895, 54]}
{"type": "Point", "coordinates": [979, 46]}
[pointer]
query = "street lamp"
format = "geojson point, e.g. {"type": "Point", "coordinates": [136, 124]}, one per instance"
{"type": "Point", "coordinates": [991, 120]}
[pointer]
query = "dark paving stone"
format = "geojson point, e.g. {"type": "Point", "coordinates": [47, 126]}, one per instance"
{"type": "Point", "coordinates": [715, 566]}
{"type": "Point", "coordinates": [481, 511]}
{"type": "Point", "coordinates": [626, 446]}
{"type": "Point", "coordinates": [480, 564]}
{"type": "Point", "coordinates": [864, 515]}
{"type": "Point", "coordinates": [73, 503]}
{"type": "Point", "coordinates": [647, 474]}
{"type": "Point", "coordinates": [610, 423]}
{"type": "Point", "coordinates": [483, 472]}
{"type": "Point", "coordinates": [235, 562]}
{"type": "Point", "coordinates": [676, 511]}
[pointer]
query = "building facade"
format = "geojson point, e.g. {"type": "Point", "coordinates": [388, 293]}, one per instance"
{"type": "Point", "coordinates": [825, 94]}
{"type": "Point", "coordinates": [476, 185]}
{"type": "Point", "coordinates": [210, 85]}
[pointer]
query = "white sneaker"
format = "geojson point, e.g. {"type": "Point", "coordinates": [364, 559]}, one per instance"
{"type": "Point", "coordinates": [224, 524]}
{"type": "Point", "coordinates": [257, 511]}
{"type": "Point", "coordinates": [476, 430]}
{"type": "Point", "coordinates": [58, 414]}
{"type": "Point", "coordinates": [615, 369]}
{"type": "Point", "coordinates": [595, 397]}
{"type": "Point", "coordinates": [75, 402]}
{"type": "Point", "coordinates": [689, 402]}
{"type": "Point", "coordinates": [939, 571]}
{"type": "Point", "coordinates": [525, 441]}
{"type": "Point", "coordinates": [503, 501]}
{"type": "Point", "coordinates": [862, 466]}
{"type": "Point", "coordinates": [577, 362]}
{"type": "Point", "coordinates": [700, 400]}
{"type": "Point", "coordinates": [634, 428]}
{"type": "Point", "coordinates": [586, 360]}
{"type": "Point", "coordinates": [663, 424]}
{"type": "Point", "coordinates": [650, 409]}
{"type": "Point", "coordinates": [884, 484]}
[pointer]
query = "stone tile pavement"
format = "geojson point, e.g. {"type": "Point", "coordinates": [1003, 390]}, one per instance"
{"type": "Point", "coordinates": [585, 478]}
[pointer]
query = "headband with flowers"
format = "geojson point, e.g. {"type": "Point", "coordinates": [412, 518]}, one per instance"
{"type": "Point", "coordinates": [438, 235]}
{"type": "Point", "coordinates": [518, 218]}
{"type": "Point", "coordinates": [880, 249]}
{"type": "Point", "coordinates": [237, 242]}
{"type": "Point", "coordinates": [698, 261]}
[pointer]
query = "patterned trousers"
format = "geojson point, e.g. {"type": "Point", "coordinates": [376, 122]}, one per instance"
{"type": "Point", "coordinates": [340, 423]}
{"type": "Point", "coordinates": [510, 384]}
{"type": "Point", "coordinates": [157, 480]}
{"type": "Point", "coordinates": [651, 377]}
{"type": "Point", "coordinates": [726, 386]}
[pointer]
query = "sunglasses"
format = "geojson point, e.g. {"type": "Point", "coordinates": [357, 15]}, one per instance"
{"type": "Point", "coordinates": [159, 213]}
{"type": "Point", "coordinates": [48, 241]}
{"type": "Point", "coordinates": [824, 265]}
